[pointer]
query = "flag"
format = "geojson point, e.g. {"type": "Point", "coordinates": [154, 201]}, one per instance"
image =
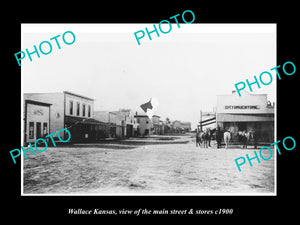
{"type": "Point", "coordinates": [147, 106]}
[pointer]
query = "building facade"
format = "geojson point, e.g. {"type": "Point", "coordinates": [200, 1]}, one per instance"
{"type": "Point", "coordinates": [157, 125]}
{"type": "Point", "coordinates": [36, 120]}
{"type": "Point", "coordinates": [249, 112]}
{"type": "Point", "coordinates": [129, 125]}
{"type": "Point", "coordinates": [145, 125]}
{"type": "Point", "coordinates": [181, 127]}
{"type": "Point", "coordinates": [186, 126]}
{"type": "Point", "coordinates": [114, 123]}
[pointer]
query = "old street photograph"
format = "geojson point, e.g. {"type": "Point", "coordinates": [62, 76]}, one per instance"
{"type": "Point", "coordinates": [159, 118]}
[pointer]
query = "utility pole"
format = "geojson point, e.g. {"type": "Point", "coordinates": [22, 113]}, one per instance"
{"type": "Point", "coordinates": [201, 120]}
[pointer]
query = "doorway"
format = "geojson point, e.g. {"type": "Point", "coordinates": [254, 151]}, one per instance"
{"type": "Point", "coordinates": [38, 130]}
{"type": "Point", "coordinates": [242, 126]}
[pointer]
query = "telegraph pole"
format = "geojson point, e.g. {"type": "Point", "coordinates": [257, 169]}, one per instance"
{"type": "Point", "coordinates": [201, 120]}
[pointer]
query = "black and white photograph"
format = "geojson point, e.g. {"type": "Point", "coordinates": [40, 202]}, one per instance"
{"type": "Point", "coordinates": [122, 112]}
{"type": "Point", "coordinates": [107, 112]}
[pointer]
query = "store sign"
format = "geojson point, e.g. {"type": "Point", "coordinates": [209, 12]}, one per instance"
{"type": "Point", "coordinates": [38, 112]}
{"type": "Point", "coordinates": [242, 107]}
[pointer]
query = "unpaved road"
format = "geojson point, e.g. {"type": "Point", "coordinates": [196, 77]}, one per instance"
{"type": "Point", "coordinates": [130, 168]}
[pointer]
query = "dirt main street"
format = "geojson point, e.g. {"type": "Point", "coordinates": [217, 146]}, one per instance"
{"type": "Point", "coordinates": [145, 166]}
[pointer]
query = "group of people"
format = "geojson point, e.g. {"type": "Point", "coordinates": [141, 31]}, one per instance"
{"type": "Point", "coordinates": [244, 137]}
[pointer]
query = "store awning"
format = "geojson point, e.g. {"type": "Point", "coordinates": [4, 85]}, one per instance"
{"type": "Point", "coordinates": [71, 120]}
{"type": "Point", "coordinates": [226, 117]}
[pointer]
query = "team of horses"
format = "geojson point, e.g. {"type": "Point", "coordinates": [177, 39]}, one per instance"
{"type": "Point", "coordinates": [206, 136]}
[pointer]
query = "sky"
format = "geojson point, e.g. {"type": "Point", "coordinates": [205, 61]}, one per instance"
{"type": "Point", "coordinates": [184, 69]}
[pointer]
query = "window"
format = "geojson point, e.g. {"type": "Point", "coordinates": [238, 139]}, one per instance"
{"type": "Point", "coordinates": [45, 129]}
{"type": "Point", "coordinates": [83, 109]}
{"type": "Point", "coordinates": [31, 130]}
{"type": "Point", "coordinates": [89, 111]}
{"type": "Point", "coordinates": [78, 109]}
{"type": "Point", "coordinates": [71, 107]}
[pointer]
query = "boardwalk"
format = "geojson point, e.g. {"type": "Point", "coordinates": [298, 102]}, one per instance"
{"type": "Point", "coordinates": [145, 166]}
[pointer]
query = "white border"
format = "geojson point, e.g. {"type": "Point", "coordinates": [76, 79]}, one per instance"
{"type": "Point", "coordinates": [125, 28]}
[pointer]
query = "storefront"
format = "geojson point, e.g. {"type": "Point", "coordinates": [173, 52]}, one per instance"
{"type": "Point", "coordinates": [247, 113]}
{"type": "Point", "coordinates": [68, 110]}
{"type": "Point", "coordinates": [36, 120]}
{"type": "Point", "coordinates": [85, 130]}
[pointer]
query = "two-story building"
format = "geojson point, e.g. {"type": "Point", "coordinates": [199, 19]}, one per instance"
{"type": "Point", "coordinates": [121, 123]}
{"type": "Point", "coordinates": [71, 111]}
{"type": "Point", "coordinates": [128, 122]}
{"type": "Point", "coordinates": [145, 125]}
{"type": "Point", "coordinates": [157, 125]}
{"type": "Point", "coordinates": [114, 125]}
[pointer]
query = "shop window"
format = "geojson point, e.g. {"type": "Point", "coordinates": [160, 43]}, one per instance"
{"type": "Point", "coordinates": [89, 111]}
{"type": "Point", "coordinates": [71, 107]}
{"type": "Point", "coordinates": [78, 109]}
{"type": "Point", "coordinates": [83, 109]}
{"type": "Point", "coordinates": [31, 130]}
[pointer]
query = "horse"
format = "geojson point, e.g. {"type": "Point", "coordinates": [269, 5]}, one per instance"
{"type": "Point", "coordinates": [199, 138]}
{"type": "Point", "coordinates": [245, 137]}
{"type": "Point", "coordinates": [227, 137]}
{"type": "Point", "coordinates": [207, 138]}
{"type": "Point", "coordinates": [218, 137]}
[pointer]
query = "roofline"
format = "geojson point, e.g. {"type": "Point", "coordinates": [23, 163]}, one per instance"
{"type": "Point", "coordinates": [64, 92]}
{"type": "Point", "coordinates": [28, 101]}
{"type": "Point", "coordinates": [233, 94]}
{"type": "Point", "coordinates": [140, 116]}
{"type": "Point", "coordinates": [104, 111]}
{"type": "Point", "coordinates": [81, 96]}
{"type": "Point", "coordinates": [42, 93]}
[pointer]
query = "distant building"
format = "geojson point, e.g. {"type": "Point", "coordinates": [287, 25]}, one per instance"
{"type": "Point", "coordinates": [176, 124]}
{"type": "Point", "coordinates": [163, 126]}
{"type": "Point", "coordinates": [114, 127]}
{"type": "Point", "coordinates": [126, 118]}
{"type": "Point", "coordinates": [181, 126]}
{"type": "Point", "coordinates": [145, 125]}
{"type": "Point", "coordinates": [186, 126]}
{"type": "Point", "coordinates": [120, 124]}
{"type": "Point", "coordinates": [71, 111]}
{"type": "Point", "coordinates": [157, 125]}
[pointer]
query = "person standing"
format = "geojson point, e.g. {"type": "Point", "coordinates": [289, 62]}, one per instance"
{"type": "Point", "coordinates": [255, 138]}
{"type": "Point", "coordinates": [218, 137]}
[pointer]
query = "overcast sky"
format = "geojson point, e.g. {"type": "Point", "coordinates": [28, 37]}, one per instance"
{"type": "Point", "coordinates": [184, 69]}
